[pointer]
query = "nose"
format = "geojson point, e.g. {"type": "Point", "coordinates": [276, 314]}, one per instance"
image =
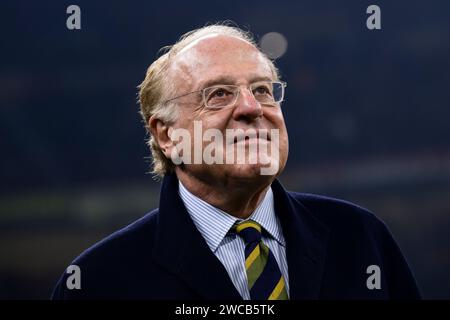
{"type": "Point", "coordinates": [247, 108]}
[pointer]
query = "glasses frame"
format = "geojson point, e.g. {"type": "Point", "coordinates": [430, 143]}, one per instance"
{"type": "Point", "coordinates": [203, 93]}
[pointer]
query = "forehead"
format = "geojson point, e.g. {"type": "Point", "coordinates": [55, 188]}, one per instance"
{"type": "Point", "coordinates": [218, 56]}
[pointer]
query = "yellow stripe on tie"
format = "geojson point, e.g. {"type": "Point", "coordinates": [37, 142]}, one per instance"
{"type": "Point", "coordinates": [247, 224]}
{"type": "Point", "coordinates": [252, 257]}
{"type": "Point", "coordinates": [278, 289]}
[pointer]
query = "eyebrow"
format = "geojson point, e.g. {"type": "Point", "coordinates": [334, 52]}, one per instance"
{"type": "Point", "coordinates": [230, 80]}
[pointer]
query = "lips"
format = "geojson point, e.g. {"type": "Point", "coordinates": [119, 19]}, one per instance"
{"type": "Point", "coordinates": [256, 135]}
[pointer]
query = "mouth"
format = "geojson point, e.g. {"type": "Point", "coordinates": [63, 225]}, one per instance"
{"type": "Point", "coordinates": [263, 135]}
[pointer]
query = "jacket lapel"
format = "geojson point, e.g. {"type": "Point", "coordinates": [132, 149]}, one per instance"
{"type": "Point", "coordinates": [306, 239]}
{"type": "Point", "coordinates": [180, 247]}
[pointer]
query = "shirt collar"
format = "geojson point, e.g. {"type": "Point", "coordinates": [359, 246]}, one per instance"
{"type": "Point", "coordinates": [214, 223]}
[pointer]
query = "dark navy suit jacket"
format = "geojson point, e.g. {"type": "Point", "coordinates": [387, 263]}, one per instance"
{"type": "Point", "coordinates": [329, 245]}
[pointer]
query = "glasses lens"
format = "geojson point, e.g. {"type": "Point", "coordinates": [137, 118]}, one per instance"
{"type": "Point", "coordinates": [265, 92]}
{"type": "Point", "coordinates": [278, 91]}
{"type": "Point", "coordinates": [220, 96]}
{"type": "Point", "coordinates": [268, 92]}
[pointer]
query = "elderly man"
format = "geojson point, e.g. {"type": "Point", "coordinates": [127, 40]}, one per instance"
{"type": "Point", "coordinates": [225, 227]}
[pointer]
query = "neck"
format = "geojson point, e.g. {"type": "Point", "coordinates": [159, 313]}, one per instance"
{"type": "Point", "coordinates": [237, 198]}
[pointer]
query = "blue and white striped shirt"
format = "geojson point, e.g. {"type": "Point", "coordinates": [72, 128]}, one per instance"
{"type": "Point", "coordinates": [215, 224]}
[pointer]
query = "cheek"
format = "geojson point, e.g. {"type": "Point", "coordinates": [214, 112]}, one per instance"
{"type": "Point", "coordinates": [275, 117]}
{"type": "Point", "coordinates": [214, 119]}
{"type": "Point", "coordinates": [184, 117]}
{"type": "Point", "coordinates": [197, 124]}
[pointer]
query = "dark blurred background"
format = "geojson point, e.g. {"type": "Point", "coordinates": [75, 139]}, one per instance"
{"type": "Point", "coordinates": [367, 113]}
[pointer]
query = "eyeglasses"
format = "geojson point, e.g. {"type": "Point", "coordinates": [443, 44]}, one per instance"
{"type": "Point", "coordinates": [269, 93]}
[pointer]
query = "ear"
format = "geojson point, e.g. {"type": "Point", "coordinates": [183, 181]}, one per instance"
{"type": "Point", "coordinates": [161, 133]}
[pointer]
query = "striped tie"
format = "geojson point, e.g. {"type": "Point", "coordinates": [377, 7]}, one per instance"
{"type": "Point", "coordinates": [264, 277]}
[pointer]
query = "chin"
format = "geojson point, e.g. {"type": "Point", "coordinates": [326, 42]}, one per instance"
{"type": "Point", "coordinates": [248, 171]}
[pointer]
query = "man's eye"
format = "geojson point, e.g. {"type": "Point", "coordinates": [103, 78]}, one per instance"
{"type": "Point", "coordinates": [261, 91]}
{"type": "Point", "coordinates": [220, 93]}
